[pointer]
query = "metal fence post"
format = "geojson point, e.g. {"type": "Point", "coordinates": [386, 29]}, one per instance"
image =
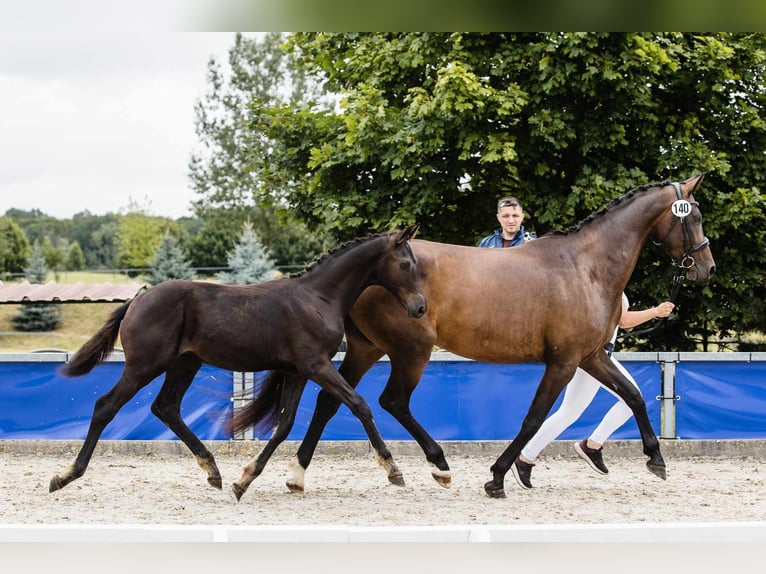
{"type": "Point", "coordinates": [668, 396]}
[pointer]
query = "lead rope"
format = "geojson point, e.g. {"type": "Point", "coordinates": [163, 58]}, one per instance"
{"type": "Point", "coordinates": [677, 280]}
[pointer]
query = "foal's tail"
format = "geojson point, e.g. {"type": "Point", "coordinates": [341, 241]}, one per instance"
{"type": "Point", "coordinates": [98, 347]}
{"type": "Point", "coordinates": [261, 412]}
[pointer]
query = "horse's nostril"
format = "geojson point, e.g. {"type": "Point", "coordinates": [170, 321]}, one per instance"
{"type": "Point", "coordinates": [712, 269]}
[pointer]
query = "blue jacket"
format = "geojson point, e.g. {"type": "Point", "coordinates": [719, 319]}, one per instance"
{"type": "Point", "coordinates": [496, 239]}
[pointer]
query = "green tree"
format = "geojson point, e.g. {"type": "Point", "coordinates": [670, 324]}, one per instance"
{"type": "Point", "coordinates": [75, 259]}
{"type": "Point", "coordinates": [228, 173]}
{"type": "Point", "coordinates": [37, 317]}
{"type": "Point", "coordinates": [249, 260]}
{"type": "Point", "coordinates": [139, 237]}
{"type": "Point", "coordinates": [169, 262]}
{"type": "Point", "coordinates": [54, 256]}
{"type": "Point", "coordinates": [433, 127]}
{"type": "Point", "coordinates": [14, 247]}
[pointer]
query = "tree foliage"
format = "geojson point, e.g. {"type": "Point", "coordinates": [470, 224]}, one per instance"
{"type": "Point", "coordinates": [169, 262]}
{"type": "Point", "coordinates": [249, 260]}
{"type": "Point", "coordinates": [37, 317]}
{"type": "Point", "coordinates": [14, 247]}
{"type": "Point", "coordinates": [228, 173]}
{"type": "Point", "coordinates": [139, 237]}
{"type": "Point", "coordinates": [434, 127]}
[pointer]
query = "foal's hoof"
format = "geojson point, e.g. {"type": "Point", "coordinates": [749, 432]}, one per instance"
{"type": "Point", "coordinates": [237, 490]}
{"type": "Point", "coordinates": [493, 490]}
{"type": "Point", "coordinates": [657, 469]}
{"type": "Point", "coordinates": [442, 478]}
{"type": "Point", "coordinates": [55, 484]}
{"type": "Point", "coordinates": [215, 481]}
{"type": "Point", "coordinates": [396, 479]}
{"type": "Point", "coordinates": [294, 487]}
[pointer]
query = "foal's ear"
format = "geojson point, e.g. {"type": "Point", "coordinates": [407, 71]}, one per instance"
{"type": "Point", "coordinates": [408, 233]}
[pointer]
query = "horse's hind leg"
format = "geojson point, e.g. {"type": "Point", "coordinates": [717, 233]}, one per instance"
{"type": "Point", "coordinates": [106, 407]}
{"type": "Point", "coordinates": [167, 408]}
{"type": "Point", "coordinates": [292, 390]}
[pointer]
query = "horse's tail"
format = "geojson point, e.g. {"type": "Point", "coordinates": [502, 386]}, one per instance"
{"type": "Point", "coordinates": [98, 347]}
{"type": "Point", "coordinates": [261, 412]}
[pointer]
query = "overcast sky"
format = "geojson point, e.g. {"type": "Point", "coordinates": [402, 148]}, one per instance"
{"type": "Point", "coordinates": [90, 120]}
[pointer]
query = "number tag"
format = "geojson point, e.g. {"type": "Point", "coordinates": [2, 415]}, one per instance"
{"type": "Point", "coordinates": [681, 208]}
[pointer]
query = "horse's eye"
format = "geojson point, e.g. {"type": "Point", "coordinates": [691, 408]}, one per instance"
{"type": "Point", "coordinates": [404, 265]}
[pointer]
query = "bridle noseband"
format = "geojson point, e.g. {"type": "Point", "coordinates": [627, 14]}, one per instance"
{"type": "Point", "coordinates": [686, 261]}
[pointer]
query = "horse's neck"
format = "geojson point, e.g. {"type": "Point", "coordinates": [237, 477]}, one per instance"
{"type": "Point", "coordinates": [342, 276]}
{"type": "Point", "coordinates": [614, 241]}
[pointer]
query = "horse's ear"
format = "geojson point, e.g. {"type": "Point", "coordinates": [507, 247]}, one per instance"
{"type": "Point", "coordinates": [408, 233]}
{"type": "Point", "coordinates": [695, 182]}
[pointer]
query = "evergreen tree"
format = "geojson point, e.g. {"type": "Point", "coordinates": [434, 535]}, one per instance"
{"type": "Point", "coordinates": [169, 262]}
{"type": "Point", "coordinates": [37, 317]}
{"type": "Point", "coordinates": [14, 247]}
{"type": "Point", "coordinates": [249, 260]}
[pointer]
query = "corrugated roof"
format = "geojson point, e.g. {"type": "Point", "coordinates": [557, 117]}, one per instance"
{"type": "Point", "coordinates": [53, 292]}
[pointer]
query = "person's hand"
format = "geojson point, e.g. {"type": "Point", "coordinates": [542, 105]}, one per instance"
{"type": "Point", "coordinates": [664, 309]}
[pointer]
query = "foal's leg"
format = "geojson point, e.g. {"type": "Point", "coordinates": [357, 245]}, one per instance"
{"type": "Point", "coordinates": [554, 379]}
{"type": "Point", "coordinates": [603, 369]}
{"type": "Point", "coordinates": [106, 407]}
{"type": "Point", "coordinates": [331, 380]}
{"type": "Point", "coordinates": [406, 372]}
{"type": "Point", "coordinates": [167, 408]}
{"type": "Point", "coordinates": [360, 357]}
{"type": "Point", "coordinates": [292, 390]}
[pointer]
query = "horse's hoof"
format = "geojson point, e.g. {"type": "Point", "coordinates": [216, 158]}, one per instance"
{"type": "Point", "coordinates": [55, 484]}
{"type": "Point", "coordinates": [396, 479]}
{"type": "Point", "coordinates": [442, 478]}
{"type": "Point", "coordinates": [657, 469]}
{"type": "Point", "coordinates": [237, 490]}
{"type": "Point", "coordinates": [215, 481]}
{"type": "Point", "coordinates": [493, 490]}
{"type": "Point", "coordinates": [294, 487]}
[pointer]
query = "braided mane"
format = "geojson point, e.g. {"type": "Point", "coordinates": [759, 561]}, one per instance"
{"type": "Point", "coordinates": [604, 210]}
{"type": "Point", "coordinates": [337, 249]}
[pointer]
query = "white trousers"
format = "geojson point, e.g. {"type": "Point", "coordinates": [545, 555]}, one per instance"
{"type": "Point", "coordinates": [578, 394]}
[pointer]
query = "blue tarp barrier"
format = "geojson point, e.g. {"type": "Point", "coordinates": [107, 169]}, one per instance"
{"type": "Point", "coordinates": [456, 400]}
{"type": "Point", "coordinates": [37, 403]}
{"type": "Point", "coordinates": [466, 400]}
{"type": "Point", "coordinates": [721, 400]}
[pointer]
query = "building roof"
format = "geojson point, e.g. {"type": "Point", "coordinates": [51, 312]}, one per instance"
{"type": "Point", "coordinates": [53, 292]}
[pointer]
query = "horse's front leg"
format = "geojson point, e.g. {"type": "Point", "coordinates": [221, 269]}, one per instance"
{"type": "Point", "coordinates": [331, 380]}
{"type": "Point", "coordinates": [292, 391]}
{"type": "Point", "coordinates": [605, 371]}
{"type": "Point", "coordinates": [554, 379]}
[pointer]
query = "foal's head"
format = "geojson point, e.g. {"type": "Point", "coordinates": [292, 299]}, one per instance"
{"type": "Point", "coordinates": [681, 235]}
{"type": "Point", "coordinates": [397, 271]}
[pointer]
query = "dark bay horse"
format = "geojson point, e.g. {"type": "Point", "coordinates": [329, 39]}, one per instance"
{"type": "Point", "coordinates": [555, 300]}
{"type": "Point", "coordinates": [291, 325]}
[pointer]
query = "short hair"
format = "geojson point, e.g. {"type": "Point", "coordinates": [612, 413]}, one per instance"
{"type": "Point", "coordinates": [508, 202]}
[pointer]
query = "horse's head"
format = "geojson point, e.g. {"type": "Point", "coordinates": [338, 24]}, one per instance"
{"type": "Point", "coordinates": [397, 271]}
{"type": "Point", "coordinates": [681, 235]}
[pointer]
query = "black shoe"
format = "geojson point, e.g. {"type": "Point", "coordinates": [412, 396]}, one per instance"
{"type": "Point", "coordinates": [522, 472]}
{"type": "Point", "coordinates": [592, 456]}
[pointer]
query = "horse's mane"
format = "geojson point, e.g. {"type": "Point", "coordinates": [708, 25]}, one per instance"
{"type": "Point", "coordinates": [335, 250]}
{"type": "Point", "coordinates": [614, 203]}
